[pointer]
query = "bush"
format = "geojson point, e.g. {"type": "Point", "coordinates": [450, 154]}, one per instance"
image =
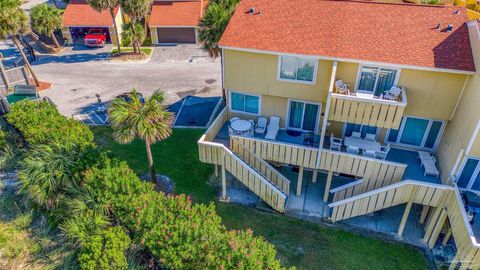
{"type": "Point", "coordinates": [105, 250]}
{"type": "Point", "coordinates": [41, 123]}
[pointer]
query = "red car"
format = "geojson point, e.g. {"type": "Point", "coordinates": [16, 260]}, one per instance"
{"type": "Point", "coordinates": [95, 37]}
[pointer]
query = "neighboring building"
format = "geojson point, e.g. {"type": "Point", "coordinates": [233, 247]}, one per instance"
{"type": "Point", "coordinates": [175, 21]}
{"type": "Point", "coordinates": [413, 92]}
{"type": "Point", "coordinates": [79, 18]}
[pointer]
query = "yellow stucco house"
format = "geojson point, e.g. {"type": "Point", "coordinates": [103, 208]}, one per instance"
{"type": "Point", "coordinates": [377, 103]}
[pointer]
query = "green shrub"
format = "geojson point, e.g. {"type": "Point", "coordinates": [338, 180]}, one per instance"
{"type": "Point", "coordinates": [41, 123]}
{"type": "Point", "coordinates": [105, 250]}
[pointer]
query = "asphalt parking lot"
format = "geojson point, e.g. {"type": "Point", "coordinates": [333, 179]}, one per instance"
{"type": "Point", "coordinates": [79, 74]}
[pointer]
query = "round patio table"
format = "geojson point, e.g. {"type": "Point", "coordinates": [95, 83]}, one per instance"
{"type": "Point", "coordinates": [241, 126]}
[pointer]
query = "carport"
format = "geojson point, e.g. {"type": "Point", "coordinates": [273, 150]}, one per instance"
{"type": "Point", "coordinates": [175, 21]}
{"type": "Point", "coordinates": [79, 18]}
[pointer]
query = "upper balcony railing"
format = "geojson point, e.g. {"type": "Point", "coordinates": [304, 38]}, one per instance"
{"type": "Point", "coordinates": [365, 109]}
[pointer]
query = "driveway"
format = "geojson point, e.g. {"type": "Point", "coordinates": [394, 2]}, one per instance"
{"type": "Point", "coordinates": [78, 75]}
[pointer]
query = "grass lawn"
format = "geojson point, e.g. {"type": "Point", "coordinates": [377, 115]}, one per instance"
{"type": "Point", "coordinates": [302, 244]}
{"type": "Point", "coordinates": [145, 50]}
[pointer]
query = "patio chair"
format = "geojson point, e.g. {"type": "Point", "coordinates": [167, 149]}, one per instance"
{"type": "Point", "coordinates": [272, 129]}
{"type": "Point", "coordinates": [370, 137]}
{"type": "Point", "coordinates": [252, 129]}
{"type": "Point", "coordinates": [342, 88]}
{"type": "Point", "coordinates": [428, 161]}
{"type": "Point", "coordinates": [382, 154]}
{"type": "Point", "coordinates": [261, 125]}
{"type": "Point", "coordinates": [356, 134]}
{"type": "Point", "coordinates": [234, 119]}
{"type": "Point", "coordinates": [393, 93]}
{"type": "Point", "coordinates": [369, 153]}
{"type": "Point", "coordinates": [353, 150]}
{"type": "Point", "coordinates": [335, 143]}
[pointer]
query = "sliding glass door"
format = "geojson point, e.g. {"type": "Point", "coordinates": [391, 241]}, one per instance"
{"type": "Point", "coordinates": [303, 115]}
{"type": "Point", "coordinates": [469, 178]}
{"type": "Point", "coordinates": [363, 129]}
{"type": "Point", "coordinates": [417, 132]}
{"type": "Point", "coordinates": [376, 80]}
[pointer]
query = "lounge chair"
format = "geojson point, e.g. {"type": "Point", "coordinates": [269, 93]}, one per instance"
{"type": "Point", "coordinates": [353, 150]}
{"type": "Point", "coordinates": [342, 88]}
{"type": "Point", "coordinates": [261, 125]}
{"type": "Point", "coordinates": [273, 127]}
{"type": "Point", "coordinates": [428, 161]}
{"type": "Point", "coordinates": [335, 143]}
{"type": "Point", "coordinates": [356, 134]}
{"type": "Point", "coordinates": [370, 137]}
{"type": "Point", "coordinates": [393, 93]}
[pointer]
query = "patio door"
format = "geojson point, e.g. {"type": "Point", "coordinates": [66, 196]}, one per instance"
{"type": "Point", "coordinates": [303, 116]}
{"type": "Point", "coordinates": [348, 128]}
{"type": "Point", "coordinates": [417, 132]}
{"type": "Point", "coordinates": [469, 178]}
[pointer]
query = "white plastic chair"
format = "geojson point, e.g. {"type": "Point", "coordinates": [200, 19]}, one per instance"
{"type": "Point", "coordinates": [370, 137]}
{"type": "Point", "coordinates": [261, 125]}
{"type": "Point", "coordinates": [382, 154]}
{"type": "Point", "coordinates": [369, 153]}
{"type": "Point", "coordinates": [353, 150]}
{"type": "Point", "coordinates": [393, 93]}
{"type": "Point", "coordinates": [252, 129]}
{"type": "Point", "coordinates": [273, 127]}
{"type": "Point", "coordinates": [356, 134]}
{"type": "Point", "coordinates": [335, 143]}
{"type": "Point", "coordinates": [342, 88]}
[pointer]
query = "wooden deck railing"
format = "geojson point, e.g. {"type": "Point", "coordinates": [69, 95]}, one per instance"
{"type": "Point", "coordinates": [375, 173]}
{"type": "Point", "coordinates": [367, 111]}
{"type": "Point", "coordinates": [446, 202]}
{"type": "Point", "coordinates": [260, 165]}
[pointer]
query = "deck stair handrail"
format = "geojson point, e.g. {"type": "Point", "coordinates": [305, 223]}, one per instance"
{"type": "Point", "coordinates": [217, 153]}
{"type": "Point", "coordinates": [346, 190]}
{"type": "Point", "coordinates": [260, 165]}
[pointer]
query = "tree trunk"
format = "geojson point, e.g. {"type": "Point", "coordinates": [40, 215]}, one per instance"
{"type": "Point", "coordinates": [112, 13]}
{"type": "Point", "coordinates": [55, 41]}
{"type": "Point", "coordinates": [134, 36]}
{"type": "Point", "coordinates": [27, 64]}
{"type": "Point", "coordinates": [153, 177]}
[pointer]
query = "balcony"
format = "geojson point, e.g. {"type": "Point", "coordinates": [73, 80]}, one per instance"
{"type": "Point", "coordinates": [365, 109]}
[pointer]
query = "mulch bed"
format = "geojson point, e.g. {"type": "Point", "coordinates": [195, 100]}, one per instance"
{"type": "Point", "coordinates": [43, 85]}
{"type": "Point", "coordinates": [129, 56]}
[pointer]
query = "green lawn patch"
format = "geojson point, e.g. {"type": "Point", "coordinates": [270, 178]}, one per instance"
{"type": "Point", "coordinates": [302, 244]}
{"type": "Point", "coordinates": [145, 50]}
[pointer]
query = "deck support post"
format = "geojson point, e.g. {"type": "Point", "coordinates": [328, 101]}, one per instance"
{"type": "Point", "coordinates": [438, 228]}
{"type": "Point", "coordinates": [447, 237]}
{"type": "Point", "coordinates": [216, 171]}
{"type": "Point", "coordinates": [424, 214]}
{"type": "Point", "coordinates": [299, 182]}
{"type": "Point", "coordinates": [327, 186]}
{"type": "Point", "coordinates": [224, 197]}
{"type": "Point", "coordinates": [408, 207]}
{"type": "Point", "coordinates": [314, 176]}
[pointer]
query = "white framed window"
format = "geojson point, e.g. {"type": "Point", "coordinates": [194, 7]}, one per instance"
{"type": "Point", "coordinates": [376, 80]}
{"type": "Point", "coordinates": [303, 115]}
{"type": "Point", "coordinates": [469, 176]}
{"type": "Point", "coordinates": [245, 103]}
{"type": "Point", "coordinates": [297, 69]}
{"type": "Point", "coordinates": [417, 132]}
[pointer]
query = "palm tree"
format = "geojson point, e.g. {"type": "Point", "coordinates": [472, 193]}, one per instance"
{"type": "Point", "coordinates": [133, 33]}
{"type": "Point", "coordinates": [110, 5]}
{"type": "Point", "coordinates": [14, 22]}
{"type": "Point", "coordinates": [213, 24]}
{"type": "Point", "coordinates": [46, 19]}
{"type": "Point", "coordinates": [147, 120]}
{"type": "Point", "coordinates": [136, 10]}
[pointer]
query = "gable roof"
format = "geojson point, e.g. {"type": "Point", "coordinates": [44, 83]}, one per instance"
{"type": "Point", "coordinates": [79, 13]}
{"type": "Point", "coordinates": [399, 34]}
{"type": "Point", "coordinates": [176, 13]}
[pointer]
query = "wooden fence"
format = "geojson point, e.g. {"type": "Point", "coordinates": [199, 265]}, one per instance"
{"type": "Point", "coordinates": [367, 111]}
{"type": "Point", "coordinates": [260, 165]}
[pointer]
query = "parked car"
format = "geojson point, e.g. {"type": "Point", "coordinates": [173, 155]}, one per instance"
{"type": "Point", "coordinates": [95, 37]}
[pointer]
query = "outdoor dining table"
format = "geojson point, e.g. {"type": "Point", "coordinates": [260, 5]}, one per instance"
{"type": "Point", "coordinates": [362, 143]}
{"type": "Point", "coordinates": [241, 126]}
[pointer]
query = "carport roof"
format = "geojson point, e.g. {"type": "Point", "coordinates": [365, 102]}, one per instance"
{"type": "Point", "coordinates": [79, 13]}
{"type": "Point", "coordinates": [177, 13]}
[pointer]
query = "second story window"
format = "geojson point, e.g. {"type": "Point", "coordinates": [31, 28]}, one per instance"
{"type": "Point", "coordinates": [376, 80]}
{"type": "Point", "coordinates": [294, 68]}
